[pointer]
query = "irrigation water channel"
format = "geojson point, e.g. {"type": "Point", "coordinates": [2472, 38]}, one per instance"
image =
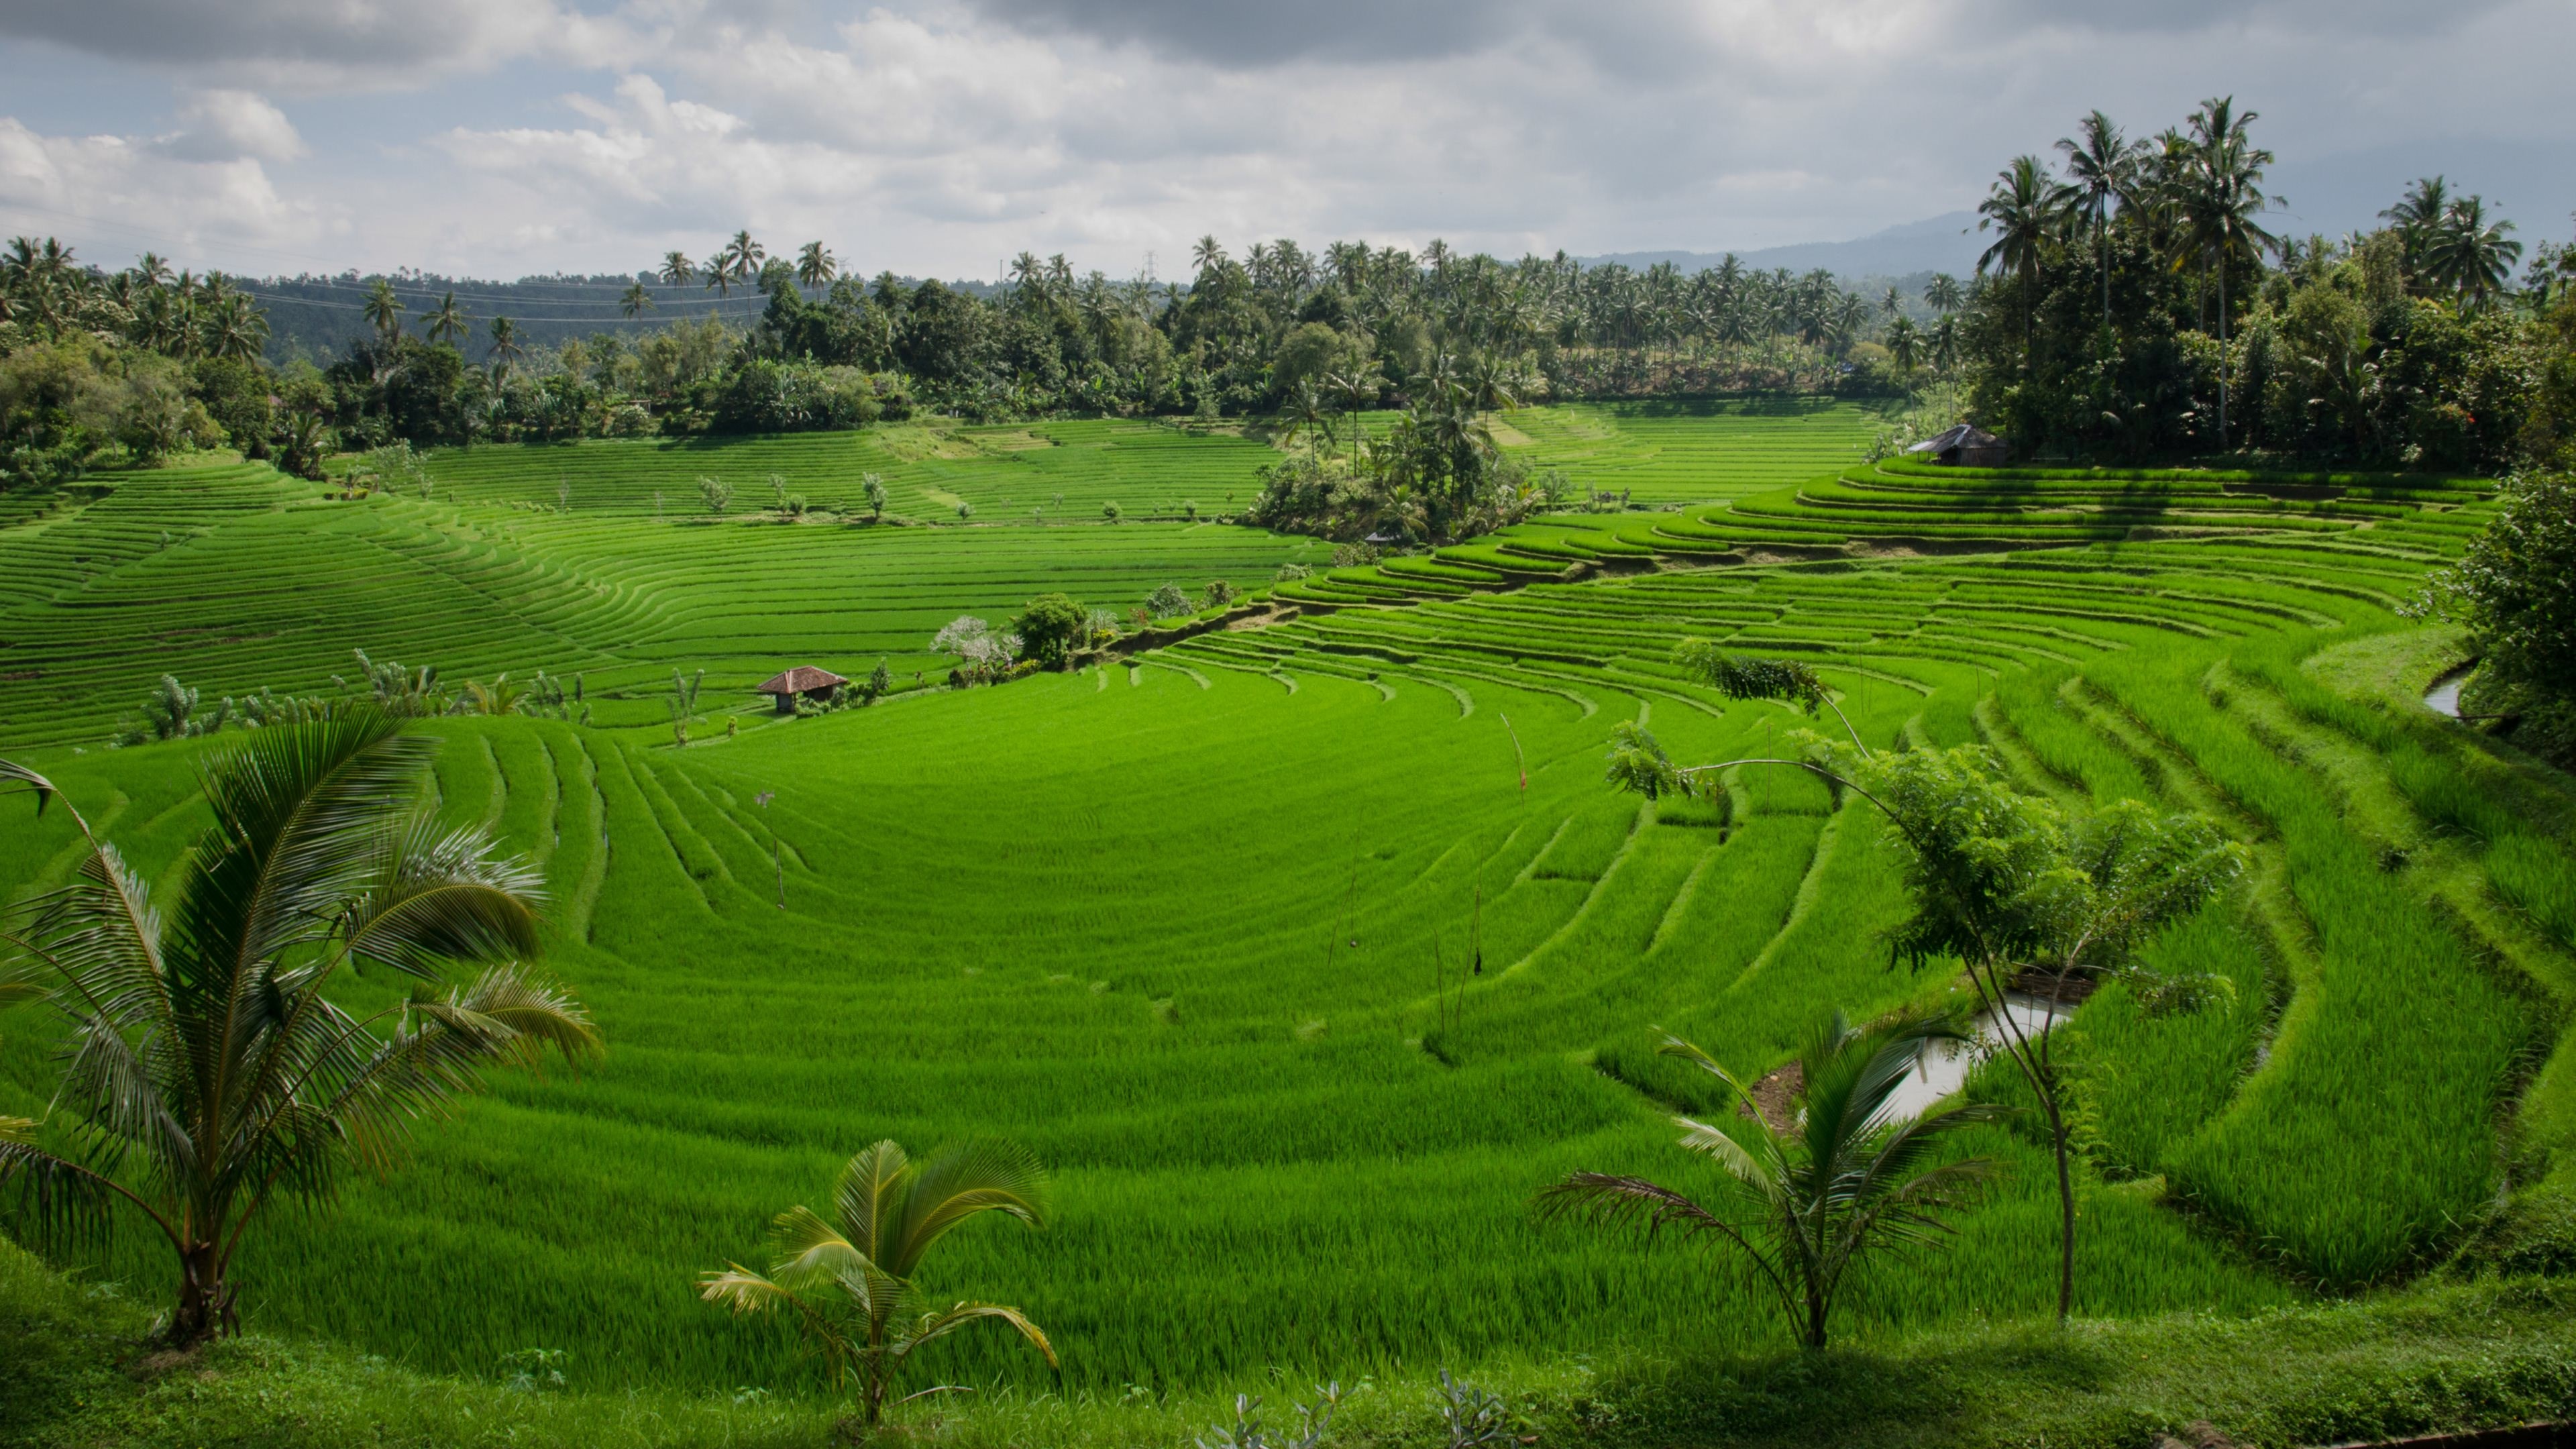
{"type": "Point", "coordinates": [2444, 696]}
{"type": "Point", "coordinates": [1943, 1066]}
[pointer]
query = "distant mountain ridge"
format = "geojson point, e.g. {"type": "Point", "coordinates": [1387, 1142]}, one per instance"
{"type": "Point", "coordinates": [1946, 243]}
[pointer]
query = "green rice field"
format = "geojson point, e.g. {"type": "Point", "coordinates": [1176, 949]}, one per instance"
{"type": "Point", "coordinates": [1184, 923]}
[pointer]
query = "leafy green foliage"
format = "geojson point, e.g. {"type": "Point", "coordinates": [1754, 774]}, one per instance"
{"type": "Point", "coordinates": [2515, 589]}
{"type": "Point", "coordinates": [848, 1280]}
{"type": "Point", "coordinates": [1049, 627]}
{"type": "Point", "coordinates": [209, 1069]}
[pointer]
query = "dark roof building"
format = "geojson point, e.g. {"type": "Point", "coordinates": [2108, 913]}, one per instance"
{"type": "Point", "coordinates": [798, 682]}
{"type": "Point", "coordinates": [1965, 446]}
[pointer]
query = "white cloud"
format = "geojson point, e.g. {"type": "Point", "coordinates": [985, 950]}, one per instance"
{"type": "Point", "coordinates": [227, 125]}
{"type": "Point", "coordinates": [135, 188]}
{"type": "Point", "coordinates": [942, 135]}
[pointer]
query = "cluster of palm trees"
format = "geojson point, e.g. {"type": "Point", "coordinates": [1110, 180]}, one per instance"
{"type": "Point", "coordinates": [2192, 200]}
{"type": "Point", "coordinates": [2452, 246]}
{"type": "Point", "coordinates": [46, 291]}
{"type": "Point", "coordinates": [1478, 303]}
{"type": "Point", "coordinates": [2197, 192]}
{"type": "Point", "coordinates": [740, 262]}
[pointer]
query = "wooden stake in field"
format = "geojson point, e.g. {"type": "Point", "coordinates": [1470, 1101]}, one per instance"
{"type": "Point", "coordinates": [777, 856]}
{"type": "Point", "coordinates": [1518, 759]}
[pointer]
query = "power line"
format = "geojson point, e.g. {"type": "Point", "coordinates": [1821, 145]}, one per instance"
{"type": "Point", "coordinates": [515, 317]}
{"type": "Point", "coordinates": [469, 291]}
{"type": "Point", "coordinates": [429, 293]}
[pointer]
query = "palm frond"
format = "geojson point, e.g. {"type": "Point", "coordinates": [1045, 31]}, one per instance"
{"type": "Point", "coordinates": [56, 1200]}
{"type": "Point", "coordinates": [957, 1183]}
{"type": "Point", "coordinates": [535, 1016]}
{"type": "Point", "coordinates": [113, 1087]}
{"type": "Point", "coordinates": [810, 1249]}
{"type": "Point", "coordinates": [743, 1290]}
{"type": "Point", "coordinates": [100, 933]}
{"type": "Point", "coordinates": [1676, 1047]}
{"type": "Point", "coordinates": [1909, 1214]}
{"type": "Point", "coordinates": [1764, 1178]}
{"type": "Point", "coordinates": [434, 898]}
{"type": "Point", "coordinates": [12, 773]}
{"type": "Point", "coordinates": [940, 1325]}
{"type": "Point", "coordinates": [500, 1019]}
{"type": "Point", "coordinates": [303, 814]}
{"type": "Point", "coordinates": [871, 1189]}
{"type": "Point", "coordinates": [1611, 1198]}
{"type": "Point", "coordinates": [18, 984]}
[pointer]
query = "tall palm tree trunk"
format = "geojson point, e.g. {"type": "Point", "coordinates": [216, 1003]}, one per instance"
{"type": "Point", "coordinates": [2102, 239]}
{"type": "Point", "coordinates": [2222, 354]}
{"type": "Point", "coordinates": [205, 1305]}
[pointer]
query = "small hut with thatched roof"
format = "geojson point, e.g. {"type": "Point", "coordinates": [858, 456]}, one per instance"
{"type": "Point", "coordinates": [1965, 446]}
{"type": "Point", "coordinates": [803, 681]}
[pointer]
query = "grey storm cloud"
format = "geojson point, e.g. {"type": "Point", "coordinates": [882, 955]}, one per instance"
{"type": "Point", "coordinates": [186, 33]}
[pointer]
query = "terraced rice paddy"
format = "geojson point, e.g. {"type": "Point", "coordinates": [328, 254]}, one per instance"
{"type": "Point", "coordinates": [1306, 952]}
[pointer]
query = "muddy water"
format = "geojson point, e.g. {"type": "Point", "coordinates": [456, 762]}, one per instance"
{"type": "Point", "coordinates": [1943, 1067]}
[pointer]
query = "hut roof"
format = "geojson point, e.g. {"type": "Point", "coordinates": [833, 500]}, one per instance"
{"type": "Point", "coordinates": [1965, 435]}
{"type": "Point", "coordinates": [802, 679]}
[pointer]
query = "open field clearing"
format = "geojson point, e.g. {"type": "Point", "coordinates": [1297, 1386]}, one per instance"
{"type": "Point", "coordinates": [1262, 942]}
{"type": "Point", "coordinates": [255, 581]}
{"type": "Point", "coordinates": [239, 580]}
{"type": "Point", "coordinates": [1064, 471]}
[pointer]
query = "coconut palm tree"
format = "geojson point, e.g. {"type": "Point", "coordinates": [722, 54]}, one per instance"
{"type": "Point", "coordinates": [446, 321]}
{"type": "Point", "coordinates": [2220, 197]}
{"type": "Point", "coordinates": [1805, 1199]}
{"type": "Point", "coordinates": [2418, 218]}
{"type": "Point", "coordinates": [208, 1070]}
{"type": "Point", "coordinates": [233, 328]}
{"type": "Point", "coordinates": [1905, 343]}
{"type": "Point", "coordinates": [1943, 294]}
{"type": "Point", "coordinates": [677, 269]}
{"type": "Point", "coordinates": [1356, 386]}
{"type": "Point", "coordinates": [2099, 167]}
{"type": "Point", "coordinates": [742, 257]}
{"type": "Point", "coordinates": [2470, 254]}
{"type": "Point", "coordinates": [505, 345]}
{"type": "Point", "coordinates": [2024, 210]}
{"type": "Point", "coordinates": [1307, 413]}
{"type": "Point", "coordinates": [383, 309]}
{"type": "Point", "coordinates": [635, 300]}
{"type": "Point", "coordinates": [1944, 340]}
{"type": "Point", "coordinates": [815, 266]}
{"type": "Point", "coordinates": [848, 1280]}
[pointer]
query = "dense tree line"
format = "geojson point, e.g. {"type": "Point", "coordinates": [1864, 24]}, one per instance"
{"type": "Point", "coordinates": [1280, 330]}
{"type": "Point", "coordinates": [145, 361]}
{"type": "Point", "coordinates": [2134, 304]}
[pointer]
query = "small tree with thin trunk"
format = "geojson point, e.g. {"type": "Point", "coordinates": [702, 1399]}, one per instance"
{"type": "Point", "coordinates": [2009, 885]}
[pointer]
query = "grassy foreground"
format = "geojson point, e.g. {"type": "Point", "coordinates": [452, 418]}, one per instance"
{"type": "Point", "coordinates": [2438, 1357]}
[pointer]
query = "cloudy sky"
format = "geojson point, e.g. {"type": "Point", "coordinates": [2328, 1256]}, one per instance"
{"type": "Point", "coordinates": [497, 138]}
